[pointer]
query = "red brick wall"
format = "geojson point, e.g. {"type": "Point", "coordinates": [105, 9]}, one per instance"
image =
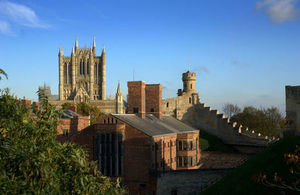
{"type": "Point", "coordinates": [154, 99]}
{"type": "Point", "coordinates": [136, 97]}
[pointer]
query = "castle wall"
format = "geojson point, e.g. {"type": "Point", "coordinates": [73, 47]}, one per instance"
{"type": "Point", "coordinates": [293, 107]}
{"type": "Point", "coordinates": [187, 108]}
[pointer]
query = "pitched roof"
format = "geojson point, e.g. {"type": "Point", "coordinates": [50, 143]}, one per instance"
{"type": "Point", "coordinates": [153, 126]}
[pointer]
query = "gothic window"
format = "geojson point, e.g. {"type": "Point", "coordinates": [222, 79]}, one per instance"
{"type": "Point", "coordinates": [167, 104]}
{"type": "Point", "coordinates": [190, 100]}
{"type": "Point", "coordinates": [80, 66]}
{"type": "Point", "coordinates": [88, 67]}
{"type": "Point", "coordinates": [191, 86]}
{"type": "Point", "coordinates": [83, 67]}
{"type": "Point", "coordinates": [65, 73]}
{"type": "Point", "coordinates": [96, 70]}
{"type": "Point", "coordinates": [70, 73]}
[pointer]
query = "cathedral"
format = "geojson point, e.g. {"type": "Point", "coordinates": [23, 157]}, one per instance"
{"type": "Point", "coordinates": [82, 79]}
{"type": "Point", "coordinates": [82, 75]}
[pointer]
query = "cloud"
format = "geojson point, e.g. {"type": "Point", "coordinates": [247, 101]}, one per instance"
{"type": "Point", "coordinates": [200, 69]}
{"type": "Point", "coordinates": [4, 27]}
{"type": "Point", "coordinates": [21, 15]}
{"type": "Point", "coordinates": [279, 11]}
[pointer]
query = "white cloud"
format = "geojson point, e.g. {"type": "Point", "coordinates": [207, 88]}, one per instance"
{"type": "Point", "coordinates": [4, 27]}
{"type": "Point", "coordinates": [279, 11]}
{"type": "Point", "coordinates": [21, 15]}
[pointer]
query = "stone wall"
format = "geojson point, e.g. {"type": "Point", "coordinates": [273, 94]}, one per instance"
{"type": "Point", "coordinates": [188, 182]}
{"type": "Point", "coordinates": [292, 94]}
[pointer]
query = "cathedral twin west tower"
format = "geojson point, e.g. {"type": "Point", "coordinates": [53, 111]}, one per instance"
{"type": "Point", "coordinates": [82, 76]}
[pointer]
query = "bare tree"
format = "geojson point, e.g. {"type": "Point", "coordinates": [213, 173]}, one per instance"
{"type": "Point", "coordinates": [231, 109]}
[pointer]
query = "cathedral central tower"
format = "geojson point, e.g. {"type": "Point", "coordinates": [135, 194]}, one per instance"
{"type": "Point", "coordinates": [82, 75]}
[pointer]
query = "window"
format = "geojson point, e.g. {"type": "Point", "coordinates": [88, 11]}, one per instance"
{"type": "Point", "coordinates": [185, 161]}
{"type": "Point", "coordinates": [167, 104]}
{"type": "Point", "coordinates": [152, 110]}
{"type": "Point", "coordinates": [184, 145]}
{"type": "Point", "coordinates": [191, 86]}
{"type": "Point", "coordinates": [180, 145]}
{"type": "Point", "coordinates": [135, 110]}
{"type": "Point", "coordinates": [65, 132]}
{"type": "Point", "coordinates": [191, 145]}
{"type": "Point", "coordinates": [190, 100]}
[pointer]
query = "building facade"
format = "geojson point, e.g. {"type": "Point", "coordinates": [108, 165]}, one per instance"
{"type": "Point", "coordinates": [138, 146]}
{"type": "Point", "coordinates": [82, 78]}
{"type": "Point", "coordinates": [82, 75]}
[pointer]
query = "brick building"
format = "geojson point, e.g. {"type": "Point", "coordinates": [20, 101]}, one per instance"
{"type": "Point", "coordinates": [138, 146]}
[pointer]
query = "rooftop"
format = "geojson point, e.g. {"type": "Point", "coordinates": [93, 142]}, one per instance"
{"type": "Point", "coordinates": [153, 126]}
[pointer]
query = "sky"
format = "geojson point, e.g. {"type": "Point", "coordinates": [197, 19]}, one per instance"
{"type": "Point", "coordinates": [243, 52]}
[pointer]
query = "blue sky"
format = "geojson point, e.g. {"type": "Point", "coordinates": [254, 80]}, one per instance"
{"type": "Point", "coordinates": [243, 52]}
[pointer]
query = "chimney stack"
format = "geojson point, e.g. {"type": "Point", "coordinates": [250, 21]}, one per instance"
{"type": "Point", "coordinates": [136, 98]}
{"type": "Point", "coordinates": [154, 100]}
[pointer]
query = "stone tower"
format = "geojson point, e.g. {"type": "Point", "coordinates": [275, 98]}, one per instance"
{"type": "Point", "coordinates": [189, 79]}
{"type": "Point", "coordinates": [119, 101]}
{"type": "Point", "coordinates": [82, 76]}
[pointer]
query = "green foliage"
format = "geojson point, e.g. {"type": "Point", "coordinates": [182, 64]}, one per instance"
{"type": "Point", "coordinates": [210, 142]}
{"type": "Point", "coordinates": [67, 105]}
{"type": "Point", "coordinates": [242, 179]}
{"type": "Point", "coordinates": [265, 121]}
{"type": "Point", "coordinates": [33, 162]}
{"type": "Point", "coordinates": [2, 72]}
{"type": "Point", "coordinates": [87, 110]}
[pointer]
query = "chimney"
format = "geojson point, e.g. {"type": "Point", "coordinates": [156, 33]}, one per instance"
{"type": "Point", "coordinates": [136, 98]}
{"type": "Point", "coordinates": [154, 99]}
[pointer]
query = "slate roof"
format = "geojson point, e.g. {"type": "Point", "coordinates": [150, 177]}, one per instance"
{"type": "Point", "coordinates": [153, 126]}
{"type": "Point", "coordinates": [67, 113]}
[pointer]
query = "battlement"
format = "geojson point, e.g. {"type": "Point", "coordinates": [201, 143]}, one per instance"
{"type": "Point", "coordinates": [188, 76]}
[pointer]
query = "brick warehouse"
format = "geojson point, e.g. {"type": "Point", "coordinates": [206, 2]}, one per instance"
{"type": "Point", "coordinates": [139, 145]}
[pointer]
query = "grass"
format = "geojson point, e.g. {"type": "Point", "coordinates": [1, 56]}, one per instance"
{"type": "Point", "coordinates": [268, 161]}
{"type": "Point", "coordinates": [210, 142]}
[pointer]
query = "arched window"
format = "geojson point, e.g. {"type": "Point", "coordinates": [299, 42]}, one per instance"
{"type": "Point", "coordinates": [167, 104]}
{"type": "Point", "coordinates": [65, 73]}
{"type": "Point", "coordinates": [152, 110]}
{"type": "Point", "coordinates": [190, 100]}
{"type": "Point", "coordinates": [191, 86]}
{"type": "Point", "coordinates": [70, 73]}
{"type": "Point", "coordinates": [83, 67]}
{"type": "Point", "coordinates": [88, 67]}
{"type": "Point", "coordinates": [80, 66]}
{"type": "Point", "coordinates": [96, 75]}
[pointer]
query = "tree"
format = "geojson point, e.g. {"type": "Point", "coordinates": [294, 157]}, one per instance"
{"type": "Point", "coordinates": [67, 105]}
{"type": "Point", "coordinates": [33, 162]}
{"type": "Point", "coordinates": [87, 110]}
{"type": "Point", "coordinates": [265, 121]}
{"type": "Point", "coordinates": [2, 72]}
{"type": "Point", "coordinates": [291, 182]}
{"type": "Point", "coordinates": [230, 109]}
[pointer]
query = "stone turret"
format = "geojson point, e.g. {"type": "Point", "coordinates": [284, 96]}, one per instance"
{"type": "Point", "coordinates": [61, 73]}
{"type": "Point", "coordinates": [119, 101]}
{"type": "Point", "coordinates": [189, 80]}
{"type": "Point", "coordinates": [94, 46]}
{"type": "Point", "coordinates": [103, 93]}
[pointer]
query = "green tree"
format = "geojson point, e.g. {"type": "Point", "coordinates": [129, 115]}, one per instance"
{"type": "Point", "coordinates": [87, 110]}
{"type": "Point", "coordinates": [2, 72]}
{"type": "Point", "coordinates": [67, 105]}
{"type": "Point", "coordinates": [33, 162]}
{"type": "Point", "coordinates": [265, 121]}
